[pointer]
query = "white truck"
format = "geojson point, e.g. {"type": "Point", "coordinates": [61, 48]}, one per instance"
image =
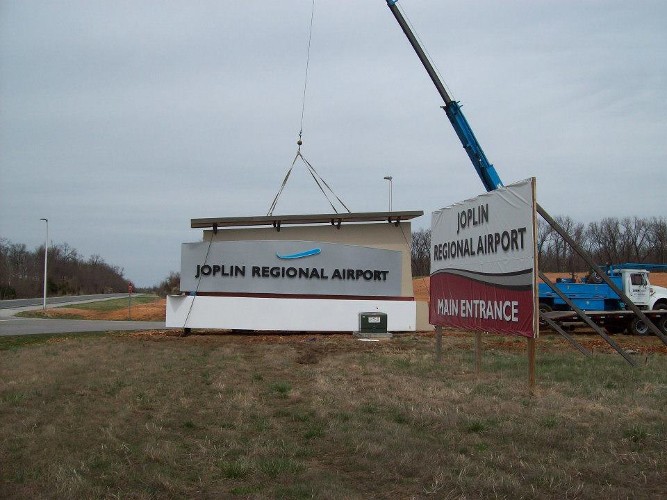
{"type": "Point", "coordinates": [603, 305]}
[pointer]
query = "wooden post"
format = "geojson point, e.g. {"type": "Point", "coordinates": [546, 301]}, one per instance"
{"type": "Point", "coordinates": [438, 344]}
{"type": "Point", "coordinates": [130, 289]}
{"type": "Point", "coordinates": [478, 353]}
{"type": "Point", "coordinates": [531, 365]}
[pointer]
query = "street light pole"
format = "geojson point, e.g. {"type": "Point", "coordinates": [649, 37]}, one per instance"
{"type": "Point", "coordinates": [390, 178]}
{"type": "Point", "coordinates": [46, 255]}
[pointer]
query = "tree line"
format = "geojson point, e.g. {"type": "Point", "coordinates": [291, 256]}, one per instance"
{"type": "Point", "coordinates": [68, 273]}
{"type": "Point", "coordinates": [611, 240]}
{"type": "Point", "coordinates": [171, 284]}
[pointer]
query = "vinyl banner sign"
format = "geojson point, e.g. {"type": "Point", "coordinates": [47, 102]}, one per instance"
{"type": "Point", "coordinates": [483, 265]}
{"type": "Point", "coordinates": [290, 267]}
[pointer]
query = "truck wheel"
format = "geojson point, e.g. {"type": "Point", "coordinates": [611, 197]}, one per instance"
{"type": "Point", "coordinates": [662, 321]}
{"type": "Point", "coordinates": [638, 327]}
{"type": "Point", "coordinates": [662, 324]}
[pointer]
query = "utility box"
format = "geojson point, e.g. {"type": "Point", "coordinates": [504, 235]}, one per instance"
{"type": "Point", "coordinates": [372, 322]}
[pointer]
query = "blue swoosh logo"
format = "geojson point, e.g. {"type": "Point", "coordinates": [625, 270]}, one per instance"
{"type": "Point", "coordinates": [300, 255]}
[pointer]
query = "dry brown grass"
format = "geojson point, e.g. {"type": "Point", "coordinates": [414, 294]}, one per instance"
{"type": "Point", "coordinates": [325, 416]}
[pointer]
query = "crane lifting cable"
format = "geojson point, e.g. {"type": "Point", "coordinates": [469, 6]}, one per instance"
{"type": "Point", "coordinates": [321, 183]}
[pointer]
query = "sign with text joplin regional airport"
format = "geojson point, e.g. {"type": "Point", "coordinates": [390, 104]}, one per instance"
{"type": "Point", "coordinates": [290, 268]}
{"type": "Point", "coordinates": [483, 264]}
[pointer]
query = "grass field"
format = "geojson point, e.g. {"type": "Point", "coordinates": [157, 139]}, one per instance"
{"type": "Point", "coordinates": [326, 416]}
{"type": "Point", "coordinates": [143, 308]}
{"type": "Point", "coordinates": [115, 304]}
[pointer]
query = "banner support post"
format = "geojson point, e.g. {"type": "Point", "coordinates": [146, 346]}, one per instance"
{"type": "Point", "coordinates": [531, 365]}
{"type": "Point", "coordinates": [478, 353]}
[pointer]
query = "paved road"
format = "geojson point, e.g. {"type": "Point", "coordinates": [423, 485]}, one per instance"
{"type": "Point", "coordinates": [10, 325]}
{"type": "Point", "coordinates": [70, 299]}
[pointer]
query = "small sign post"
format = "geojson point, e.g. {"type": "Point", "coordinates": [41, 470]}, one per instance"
{"type": "Point", "coordinates": [130, 289]}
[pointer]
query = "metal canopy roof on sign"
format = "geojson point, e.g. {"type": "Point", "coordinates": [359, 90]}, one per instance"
{"type": "Point", "coordinates": [278, 220]}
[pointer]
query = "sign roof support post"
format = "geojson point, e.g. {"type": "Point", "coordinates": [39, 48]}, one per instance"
{"type": "Point", "coordinates": [531, 365]}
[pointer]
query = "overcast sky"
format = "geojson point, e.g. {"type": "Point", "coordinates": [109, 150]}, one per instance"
{"type": "Point", "coordinates": [122, 120]}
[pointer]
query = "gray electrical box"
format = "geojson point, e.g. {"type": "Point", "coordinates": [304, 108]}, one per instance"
{"type": "Point", "coordinates": [372, 322]}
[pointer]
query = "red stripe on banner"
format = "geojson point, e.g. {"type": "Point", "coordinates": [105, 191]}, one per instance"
{"type": "Point", "coordinates": [302, 296]}
{"type": "Point", "coordinates": [460, 302]}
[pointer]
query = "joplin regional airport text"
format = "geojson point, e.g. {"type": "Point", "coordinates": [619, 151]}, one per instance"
{"type": "Point", "coordinates": [291, 272]}
{"type": "Point", "coordinates": [487, 244]}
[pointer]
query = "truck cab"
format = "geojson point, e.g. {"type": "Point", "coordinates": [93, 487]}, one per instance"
{"type": "Point", "coordinates": [636, 286]}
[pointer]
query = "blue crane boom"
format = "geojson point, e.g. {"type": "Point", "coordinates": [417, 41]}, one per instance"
{"type": "Point", "coordinates": [484, 168]}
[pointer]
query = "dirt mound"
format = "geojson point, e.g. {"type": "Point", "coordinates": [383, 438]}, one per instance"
{"type": "Point", "coordinates": [422, 288]}
{"type": "Point", "coordinates": [659, 279]}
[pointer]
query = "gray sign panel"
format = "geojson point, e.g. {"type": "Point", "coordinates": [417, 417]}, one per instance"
{"type": "Point", "coordinates": [290, 267]}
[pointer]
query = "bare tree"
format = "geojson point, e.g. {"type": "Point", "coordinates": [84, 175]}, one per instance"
{"type": "Point", "coordinates": [635, 238]}
{"type": "Point", "coordinates": [605, 240]}
{"type": "Point", "coordinates": [611, 240]}
{"type": "Point", "coordinates": [544, 232]}
{"type": "Point", "coordinates": [421, 252]}
{"type": "Point", "coordinates": [657, 240]}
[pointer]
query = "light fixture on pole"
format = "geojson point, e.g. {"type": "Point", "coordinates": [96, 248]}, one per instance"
{"type": "Point", "coordinates": [390, 178]}
{"type": "Point", "coordinates": [46, 254]}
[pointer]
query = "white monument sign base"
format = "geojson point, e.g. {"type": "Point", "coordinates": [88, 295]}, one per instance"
{"type": "Point", "coordinates": [272, 314]}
